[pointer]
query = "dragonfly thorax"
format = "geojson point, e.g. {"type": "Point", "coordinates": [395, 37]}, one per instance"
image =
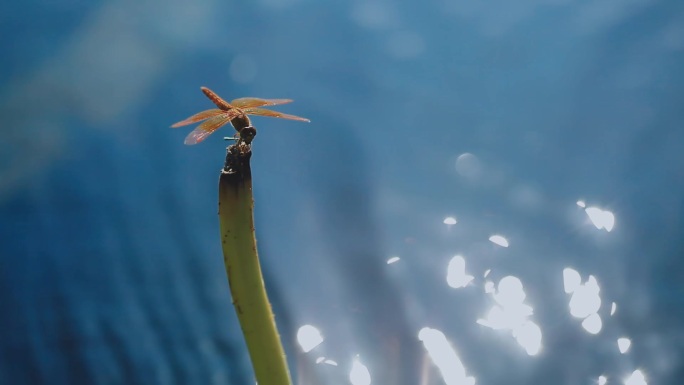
{"type": "Point", "coordinates": [240, 122]}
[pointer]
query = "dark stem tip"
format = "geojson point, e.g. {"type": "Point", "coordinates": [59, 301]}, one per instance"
{"type": "Point", "coordinates": [237, 159]}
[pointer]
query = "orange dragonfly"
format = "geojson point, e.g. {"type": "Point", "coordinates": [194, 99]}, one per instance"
{"type": "Point", "coordinates": [234, 112]}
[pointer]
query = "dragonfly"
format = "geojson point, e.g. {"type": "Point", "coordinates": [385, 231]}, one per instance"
{"type": "Point", "coordinates": [234, 113]}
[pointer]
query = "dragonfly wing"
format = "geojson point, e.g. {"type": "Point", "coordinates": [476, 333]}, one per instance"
{"type": "Point", "coordinates": [273, 114]}
{"type": "Point", "coordinates": [208, 127]}
{"type": "Point", "coordinates": [220, 103]}
{"type": "Point", "coordinates": [250, 102]}
{"type": "Point", "coordinates": [199, 117]}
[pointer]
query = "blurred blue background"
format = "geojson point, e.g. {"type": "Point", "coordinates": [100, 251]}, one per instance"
{"type": "Point", "coordinates": [435, 126]}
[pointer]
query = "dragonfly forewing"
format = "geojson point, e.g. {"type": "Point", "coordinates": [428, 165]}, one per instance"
{"type": "Point", "coordinates": [208, 127]}
{"type": "Point", "coordinates": [250, 102]}
{"type": "Point", "coordinates": [199, 117]}
{"type": "Point", "coordinates": [273, 114]}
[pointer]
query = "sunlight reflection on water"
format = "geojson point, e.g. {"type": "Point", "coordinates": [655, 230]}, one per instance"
{"type": "Point", "coordinates": [392, 260]}
{"type": "Point", "coordinates": [444, 357]}
{"type": "Point", "coordinates": [602, 219]}
{"type": "Point", "coordinates": [456, 273]}
{"type": "Point", "coordinates": [585, 301]}
{"type": "Point", "coordinates": [359, 374]}
{"type": "Point", "coordinates": [450, 221]}
{"type": "Point", "coordinates": [593, 323]}
{"type": "Point", "coordinates": [624, 344]}
{"type": "Point", "coordinates": [309, 337]}
{"type": "Point", "coordinates": [323, 360]}
{"type": "Point", "coordinates": [508, 311]}
{"type": "Point", "coordinates": [636, 378]}
{"type": "Point", "coordinates": [499, 240]}
{"type": "Point", "coordinates": [511, 313]}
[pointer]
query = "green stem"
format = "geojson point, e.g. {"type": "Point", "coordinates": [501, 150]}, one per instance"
{"type": "Point", "coordinates": [240, 255]}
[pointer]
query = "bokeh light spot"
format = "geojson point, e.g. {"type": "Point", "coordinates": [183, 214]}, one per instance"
{"type": "Point", "coordinates": [309, 337]}
{"type": "Point", "coordinates": [593, 324]}
{"type": "Point", "coordinates": [511, 313]}
{"type": "Point", "coordinates": [456, 273]}
{"type": "Point", "coordinates": [623, 344]}
{"type": "Point", "coordinates": [468, 165]}
{"type": "Point", "coordinates": [243, 69]}
{"type": "Point", "coordinates": [444, 357]}
{"type": "Point", "coordinates": [636, 378]}
{"type": "Point", "coordinates": [585, 299]}
{"type": "Point", "coordinates": [393, 259]}
{"type": "Point", "coordinates": [450, 221]}
{"type": "Point", "coordinates": [499, 240]}
{"type": "Point", "coordinates": [359, 374]}
{"type": "Point", "coordinates": [571, 280]}
{"type": "Point", "coordinates": [602, 219]}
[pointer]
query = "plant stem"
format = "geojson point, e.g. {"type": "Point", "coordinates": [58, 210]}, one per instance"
{"type": "Point", "coordinates": [240, 255]}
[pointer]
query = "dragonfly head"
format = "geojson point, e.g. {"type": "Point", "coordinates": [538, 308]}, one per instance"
{"type": "Point", "coordinates": [247, 134]}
